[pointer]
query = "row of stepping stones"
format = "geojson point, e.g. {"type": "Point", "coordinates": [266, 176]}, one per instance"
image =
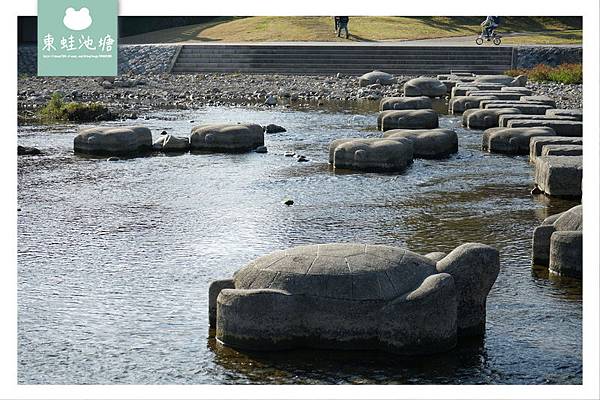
{"type": "Point", "coordinates": [410, 130]}
{"type": "Point", "coordinates": [518, 122]}
{"type": "Point", "coordinates": [512, 117]}
{"type": "Point", "coordinates": [130, 140]}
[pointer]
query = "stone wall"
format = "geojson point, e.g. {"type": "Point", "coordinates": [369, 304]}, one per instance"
{"type": "Point", "coordinates": [136, 59]}
{"type": "Point", "coordinates": [529, 56]}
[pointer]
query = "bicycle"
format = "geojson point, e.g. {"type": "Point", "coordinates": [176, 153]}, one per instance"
{"type": "Point", "coordinates": [494, 37]}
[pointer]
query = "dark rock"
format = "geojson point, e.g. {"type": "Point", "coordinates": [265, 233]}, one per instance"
{"type": "Point", "coordinates": [272, 128]}
{"type": "Point", "coordinates": [28, 151]}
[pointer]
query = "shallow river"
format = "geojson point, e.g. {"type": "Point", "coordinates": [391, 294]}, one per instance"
{"type": "Point", "coordinates": [115, 258]}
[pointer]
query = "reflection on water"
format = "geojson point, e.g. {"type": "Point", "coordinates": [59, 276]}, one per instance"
{"type": "Point", "coordinates": [115, 258]}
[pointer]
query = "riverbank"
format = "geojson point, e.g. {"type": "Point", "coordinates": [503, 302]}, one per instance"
{"type": "Point", "coordinates": [132, 96]}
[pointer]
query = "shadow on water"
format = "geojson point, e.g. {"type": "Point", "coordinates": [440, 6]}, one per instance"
{"type": "Point", "coordinates": [304, 366]}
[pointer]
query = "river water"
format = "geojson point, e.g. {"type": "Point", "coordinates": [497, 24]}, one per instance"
{"type": "Point", "coordinates": [115, 258]}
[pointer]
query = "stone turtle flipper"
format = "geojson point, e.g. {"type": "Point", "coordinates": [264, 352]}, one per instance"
{"type": "Point", "coordinates": [258, 319]}
{"type": "Point", "coordinates": [213, 292]}
{"type": "Point", "coordinates": [422, 321]}
{"type": "Point", "coordinates": [474, 268]}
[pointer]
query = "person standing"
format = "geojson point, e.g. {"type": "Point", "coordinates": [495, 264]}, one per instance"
{"type": "Point", "coordinates": [343, 24]}
{"type": "Point", "coordinates": [336, 22]}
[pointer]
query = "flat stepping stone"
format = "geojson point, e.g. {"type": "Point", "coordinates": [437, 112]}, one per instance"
{"type": "Point", "coordinates": [559, 175]}
{"type": "Point", "coordinates": [504, 119]}
{"type": "Point", "coordinates": [234, 138]}
{"type": "Point", "coordinates": [557, 243]}
{"type": "Point", "coordinates": [458, 104]}
{"type": "Point", "coordinates": [562, 150]}
{"type": "Point", "coordinates": [517, 89]}
{"type": "Point", "coordinates": [430, 87]}
{"type": "Point", "coordinates": [511, 140]}
{"type": "Point", "coordinates": [476, 118]}
{"type": "Point", "coordinates": [461, 89]}
{"type": "Point", "coordinates": [505, 80]}
{"type": "Point", "coordinates": [525, 107]}
{"type": "Point", "coordinates": [354, 296]}
{"type": "Point", "coordinates": [561, 128]}
{"type": "Point", "coordinates": [506, 103]}
{"type": "Point", "coordinates": [498, 94]}
{"type": "Point", "coordinates": [537, 144]}
{"type": "Point", "coordinates": [563, 112]}
{"type": "Point", "coordinates": [407, 119]}
{"type": "Point", "coordinates": [371, 155]}
{"type": "Point", "coordinates": [405, 103]}
{"type": "Point", "coordinates": [122, 140]}
{"type": "Point", "coordinates": [428, 143]}
{"type": "Point", "coordinates": [170, 143]}
{"type": "Point", "coordinates": [549, 101]}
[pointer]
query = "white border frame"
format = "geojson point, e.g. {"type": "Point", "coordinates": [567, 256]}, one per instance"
{"type": "Point", "coordinates": [589, 389]}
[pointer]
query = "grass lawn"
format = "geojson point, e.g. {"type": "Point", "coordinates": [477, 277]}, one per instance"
{"type": "Point", "coordinates": [545, 30]}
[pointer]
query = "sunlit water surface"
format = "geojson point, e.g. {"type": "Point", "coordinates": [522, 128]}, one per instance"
{"type": "Point", "coordinates": [115, 258]}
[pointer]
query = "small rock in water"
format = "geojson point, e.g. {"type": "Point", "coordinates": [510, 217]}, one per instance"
{"type": "Point", "coordinates": [261, 149]}
{"type": "Point", "coordinates": [302, 159]}
{"type": "Point", "coordinates": [288, 202]}
{"type": "Point", "coordinates": [113, 159]}
{"type": "Point", "coordinates": [163, 133]}
{"type": "Point", "coordinates": [289, 153]}
{"type": "Point", "coordinates": [27, 151]}
{"type": "Point", "coordinates": [272, 128]}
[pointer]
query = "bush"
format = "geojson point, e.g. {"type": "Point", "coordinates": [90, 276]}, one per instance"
{"type": "Point", "coordinates": [564, 73]}
{"type": "Point", "coordinates": [58, 110]}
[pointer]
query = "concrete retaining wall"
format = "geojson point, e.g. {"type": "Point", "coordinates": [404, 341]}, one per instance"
{"type": "Point", "coordinates": [157, 59]}
{"type": "Point", "coordinates": [529, 56]}
{"type": "Point", "coordinates": [136, 59]}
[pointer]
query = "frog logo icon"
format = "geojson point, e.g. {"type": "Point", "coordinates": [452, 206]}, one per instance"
{"type": "Point", "coordinates": [77, 20]}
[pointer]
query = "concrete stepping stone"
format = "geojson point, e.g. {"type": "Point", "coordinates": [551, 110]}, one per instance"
{"type": "Point", "coordinates": [525, 107]}
{"type": "Point", "coordinates": [511, 140]}
{"type": "Point", "coordinates": [537, 144]}
{"type": "Point", "coordinates": [563, 112]}
{"type": "Point", "coordinates": [428, 143]}
{"type": "Point", "coordinates": [557, 243]}
{"type": "Point", "coordinates": [111, 140]}
{"type": "Point", "coordinates": [504, 119]}
{"type": "Point", "coordinates": [422, 86]}
{"type": "Point", "coordinates": [477, 118]}
{"type": "Point", "coordinates": [458, 104]}
{"type": "Point", "coordinates": [498, 94]}
{"type": "Point", "coordinates": [405, 103]}
{"type": "Point", "coordinates": [559, 175]}
{"type": "Point", "coordinates": [561, 128]}
{"type": "Point", "coordinates": [371, 155]}
{"type": "Point", "coordinates": [235, 138]}
{"type": "Point", "coordinates": [549, 101]}
{"type": "Point", "coordinates": [562, 150]}
{"type": "Point", "coordinates": [407, 119]}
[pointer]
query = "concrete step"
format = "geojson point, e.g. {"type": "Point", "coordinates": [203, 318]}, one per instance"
{"type": "Point", "coordinates": [325, 59]}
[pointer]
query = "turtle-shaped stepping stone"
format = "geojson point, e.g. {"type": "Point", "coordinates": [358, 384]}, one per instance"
{"type": "Point", "coordinates": [355, 296]}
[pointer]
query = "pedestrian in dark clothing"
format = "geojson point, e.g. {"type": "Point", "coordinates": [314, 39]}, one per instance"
{"type": "Point", "coordinates": [336, 22]}
{"type": "Point", "coordinates": [342, 24]}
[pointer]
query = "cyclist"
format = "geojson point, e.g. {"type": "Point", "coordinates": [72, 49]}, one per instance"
{"type": "Point", "coordinates": [489, 25]}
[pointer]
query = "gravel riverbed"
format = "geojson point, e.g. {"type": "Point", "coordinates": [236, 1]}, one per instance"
{"type": "Point", "coordinates": [134, 95]}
